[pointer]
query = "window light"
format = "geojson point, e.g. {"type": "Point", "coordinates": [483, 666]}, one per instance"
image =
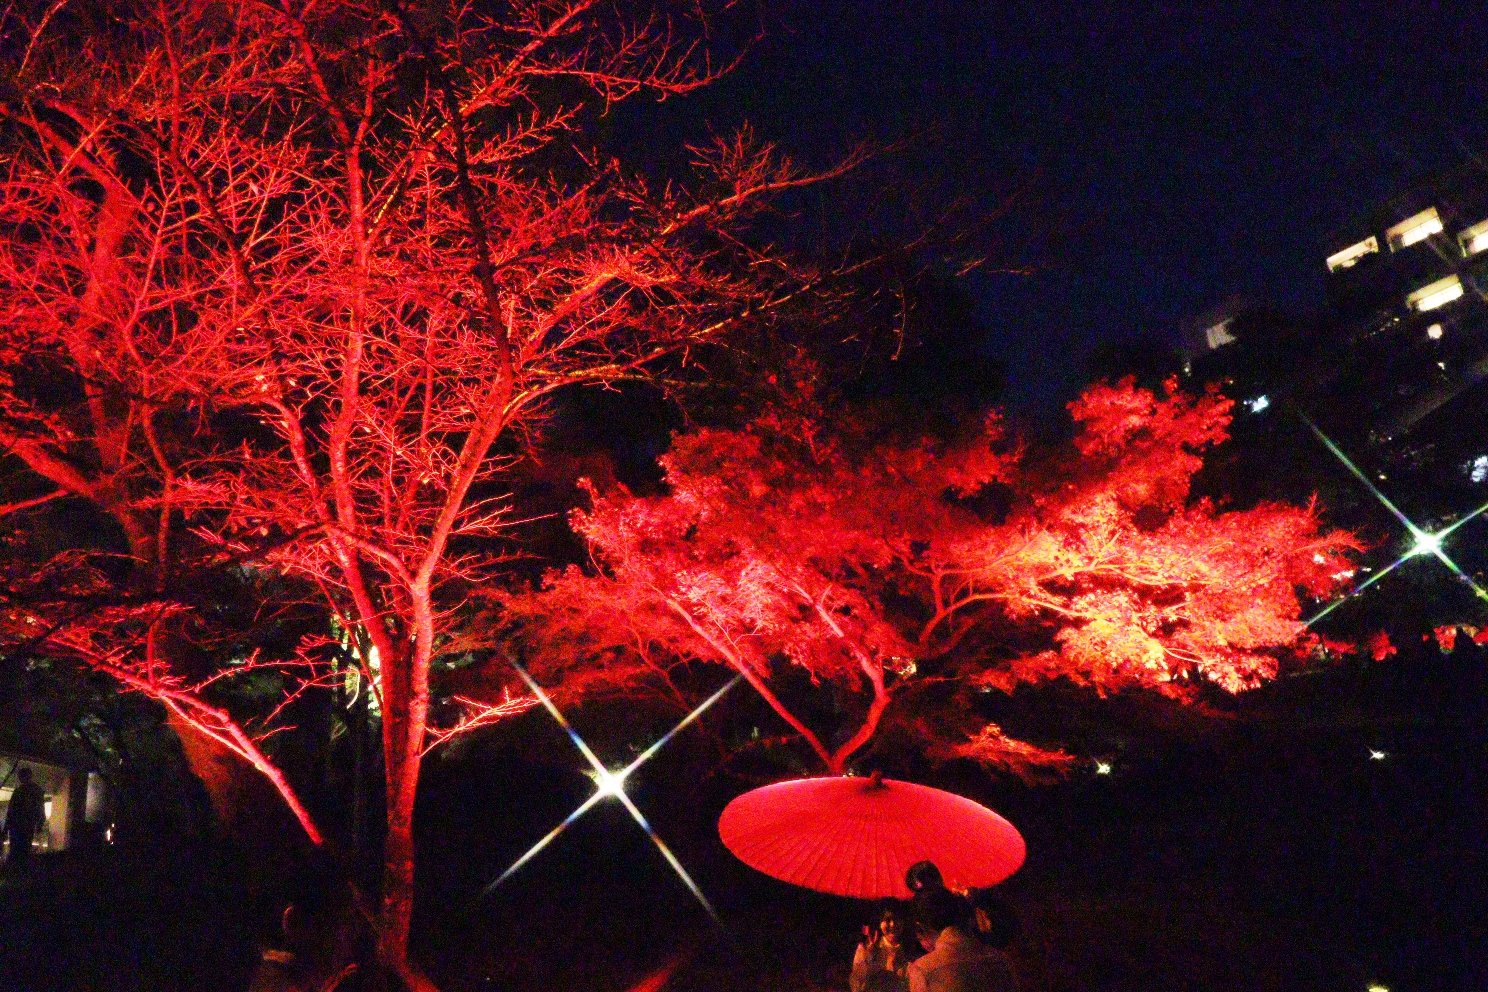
{"type": "Point", "coordinates": [1350, 256]}
{"type": "Point", "coordinates": [1413, 229]}
{"type": "Point", "coordinates": [1474, 239]}
{"type": "Point", "coordinates": [1435, 294]}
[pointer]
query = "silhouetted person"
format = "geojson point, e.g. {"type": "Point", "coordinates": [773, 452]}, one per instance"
{"type": "Point", "coordinates": [317, 952]}
{"type": "Point", "coordinates": [996, 923]}
{"type": "Point", "coordinates": [24, 817]}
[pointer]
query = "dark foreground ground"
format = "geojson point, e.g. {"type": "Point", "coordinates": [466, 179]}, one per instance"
{"type": "Point", "coordinates": [1277, 856]}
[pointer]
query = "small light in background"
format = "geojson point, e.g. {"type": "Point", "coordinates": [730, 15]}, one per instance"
{"type": "Point", "coordinates": [1259, 403]}
{"type": "Point", "coordinates": [1377, 987]}
{"type": "Point", "coordinates": [1378, 755]}
{"type": "Point", "coordinates": [1434, 332]}
{"type": "Point", "coordinates": [1102, 768]}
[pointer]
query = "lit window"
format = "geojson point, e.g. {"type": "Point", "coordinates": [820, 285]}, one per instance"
{"type": "Point", "coordinates": [1418, 228]}
{"type": "Point", "coordinates": [1474, 239]}
{"type": "Point", "coordinates": [1219, 335]}
{"type": "Point", "coordinates": [1351, 255]}
{"type": "Point", "coordinates": [1434, 332]}
{"type": "Point", "coordinates": [1435, 294]}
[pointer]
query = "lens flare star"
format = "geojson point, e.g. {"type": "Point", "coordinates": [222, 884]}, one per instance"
{"type": "Point", "coordinates": [1426, 544]}
{"type": "Point", "coordinates": [1423, 542]}
{"type": "Point", "coordinates": [609, 784]}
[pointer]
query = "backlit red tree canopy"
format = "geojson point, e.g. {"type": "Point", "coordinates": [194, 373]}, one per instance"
{"type": "Point", "coordinates": [868, 560]}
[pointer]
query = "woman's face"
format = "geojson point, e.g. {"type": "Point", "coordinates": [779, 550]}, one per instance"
{"type": "Point", "coordinates": [889, 926]}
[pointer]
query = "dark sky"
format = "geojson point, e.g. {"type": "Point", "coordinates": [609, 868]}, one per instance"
{"type": "Point", "coordinates": [1190, 153]}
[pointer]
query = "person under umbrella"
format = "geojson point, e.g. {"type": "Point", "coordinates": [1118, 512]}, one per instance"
{"type": "Point", "coordinates": [923, 875]}
{"type": "Point", "coordinates": [880, 960]}
{"type": "Point", "coordinates": [956, 961]}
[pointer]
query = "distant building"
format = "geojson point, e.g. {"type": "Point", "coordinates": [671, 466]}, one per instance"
{"type": "Point", "coordinates": [1395, 365]}
{"type": "Point", "coordinates": [1408, 291]}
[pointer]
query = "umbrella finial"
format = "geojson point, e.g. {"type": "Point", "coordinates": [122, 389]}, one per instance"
{"type": "Point", "coordinates": [875, 780]}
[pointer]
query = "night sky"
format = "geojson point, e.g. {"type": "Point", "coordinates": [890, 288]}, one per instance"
{"type": "Point", "coordinates": [1185, 154]}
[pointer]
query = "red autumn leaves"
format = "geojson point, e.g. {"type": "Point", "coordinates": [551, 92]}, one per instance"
{"type": "Point", "coordinates": [868, 559]}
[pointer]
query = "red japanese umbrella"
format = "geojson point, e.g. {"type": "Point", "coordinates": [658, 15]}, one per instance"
{"type": "Point", "coordinates": [858, 836]}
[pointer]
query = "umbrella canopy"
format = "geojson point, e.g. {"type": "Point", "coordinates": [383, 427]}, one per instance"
{"type": "Point", "coordinates": [857, 837]}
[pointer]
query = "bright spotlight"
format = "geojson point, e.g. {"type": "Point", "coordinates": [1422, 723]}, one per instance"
{"type": "Point", "coordinates": [1426, 544]}
{"type": "Point", "coordinates": [610, 783]}
{"type": "Point", "coordinates": [1102, 768]}
{"type": "Point", "coordinates": [1377, 755]}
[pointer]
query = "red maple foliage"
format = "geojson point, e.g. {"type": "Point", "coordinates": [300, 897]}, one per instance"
{"type": "Point", "coordinates": [868, 562]}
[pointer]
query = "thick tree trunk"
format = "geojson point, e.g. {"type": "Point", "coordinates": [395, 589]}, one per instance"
{"type": "Point", "coordinates": [398, 846]}
{"type": "Point", "coordinates": [398, 861]}
{"type": "Point", "coordinates": [398, 865]}
{"type": "Point", "coordinates": [405, 715]}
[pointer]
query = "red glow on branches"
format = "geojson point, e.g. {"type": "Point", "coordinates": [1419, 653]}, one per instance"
{"type": "Point", "coordinates": [784, 545]}
{"type": "Point", "coordinates": [296, 291]}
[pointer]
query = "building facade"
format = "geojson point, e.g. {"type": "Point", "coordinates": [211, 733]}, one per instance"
{"type": "Point", "coordinates": [1395, 364]}
{"type": "Point", "coordinates": [1408, 295]}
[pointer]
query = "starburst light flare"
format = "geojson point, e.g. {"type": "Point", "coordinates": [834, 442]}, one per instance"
{"type": "Point", "coordinates": [611, 784]}
{"type": "Point", "coordinates": [1424, 542]}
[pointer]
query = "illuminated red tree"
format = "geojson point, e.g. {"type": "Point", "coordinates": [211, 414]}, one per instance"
{"type": "Point", "coordinates": [119, 277]}
{"type": "Point", "coordinates": [868, 562]}
{"type": "Point", "coordinates": [313, 272]}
